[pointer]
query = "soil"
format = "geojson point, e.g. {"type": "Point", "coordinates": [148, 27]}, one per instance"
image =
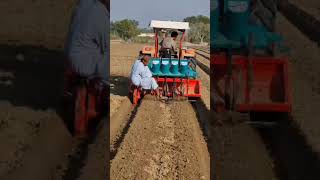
{"type": "Point", "coordinates": [115, 103]}
{"type": "Point", "coordinates": [20, 128]}
{"type": "Point", "coordinates": [125, 49]}
{"type": "Point", "coordinates": [30, 91]}
{"type": "Point", "coordinates": [239, 153]}
{"type": "Point", "coordinates": [163, 145]}
{"type": "Point", "coordinates": [305, 76]}
{"type": "Point", "coordinates": [123, 55]}
{"type": "Point", "coordinates": [96, 166]}
{"type": "Point", "coordinates": [34, 22]}
{"type": "Point", "coordinates": [310, 6]}
{"type": "Point", "coordinates": [205, 82]}
{"type": "Point", "coordinates": [167, 135]}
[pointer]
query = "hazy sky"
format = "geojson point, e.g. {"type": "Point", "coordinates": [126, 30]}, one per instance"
{"type": "Point", "coordinates": [146, 10]}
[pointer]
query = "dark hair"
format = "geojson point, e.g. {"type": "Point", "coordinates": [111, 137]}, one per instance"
{"type": "Point", "coordinates": [174, 34]}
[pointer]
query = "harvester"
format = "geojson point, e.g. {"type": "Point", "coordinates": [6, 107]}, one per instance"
{"type": "Point", "coordinates": [247, 72]}
{"type": "Point", "coordinates": [177, 75]}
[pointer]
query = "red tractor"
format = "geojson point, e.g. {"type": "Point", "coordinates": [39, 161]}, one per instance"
{"type": "Point", "coordinates": [177, 75]}
{"type": "Point", "coordinates": [86, 99]}
{"type": "Point", "coordinates": [246, 73]}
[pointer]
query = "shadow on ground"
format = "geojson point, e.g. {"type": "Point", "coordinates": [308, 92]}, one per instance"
{"type": "Point", "coordinates": [119, 85]}
{"type": "Point", "coordinates": [293, 158]}
{"type": "Point", "coordinates": [31, 76]}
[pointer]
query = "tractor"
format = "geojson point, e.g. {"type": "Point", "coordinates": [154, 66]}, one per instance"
{"type": "Point", "coordinates": [177, 75]}
{"type": "Point", "coordinates": [249, 72]}
{"type": "Point", "coordinates": [85, 100]}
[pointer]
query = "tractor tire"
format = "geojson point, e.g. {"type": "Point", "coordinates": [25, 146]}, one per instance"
{"type": "Point", "coordinates": [265, 13]}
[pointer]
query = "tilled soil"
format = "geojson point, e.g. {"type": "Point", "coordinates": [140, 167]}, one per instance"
{"type": "Point", "coordinates": [125, 49]}
{"type": "Point", "coordinates": [205, 83]}
{"type": "Point", "coordinates": [164, 141]}
{"type": "Point", "coordinates": [238, 152]}
{"type": "Point", "coordinates": [119, 123]}
{"type": "Point", "coordinates": [115, 103]}
{"type": "Point", "coordinates": [305, 76]}
{"type": "Point", "coordinates": [30, 91]}
{"type": "Point", "coordinates": [40, 23]}
{"type": "Point", "coordinates": [96, 166]}
{"type": "Point", "coordinates": [310, 6]}
{"type": "Point", "coordinates": [20, 128]}
{"type": "Point", "coordinates": [120, 110]}
{"type": "Point", "coordinates": [203, 57]}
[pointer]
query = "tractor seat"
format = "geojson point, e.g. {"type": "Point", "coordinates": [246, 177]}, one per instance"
{"type": "Point", "coordinates": [167, 53]}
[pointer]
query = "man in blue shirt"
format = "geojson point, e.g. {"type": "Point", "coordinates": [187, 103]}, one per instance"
{"type": "Point", "coordinates": [87, 46]}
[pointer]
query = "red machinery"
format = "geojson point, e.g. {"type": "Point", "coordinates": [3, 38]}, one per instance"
{"type": "Point", "coordinates": [87, 100]}
{"type": "Point", "coordinates": [176, 76]}
{"type": "Point", "coordinates": [246, 76]}
{"type": "Point", "coordinates": [259, 84]}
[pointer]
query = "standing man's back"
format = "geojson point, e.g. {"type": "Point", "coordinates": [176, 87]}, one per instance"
{"type": "Point", "coordinates": [87, 47]}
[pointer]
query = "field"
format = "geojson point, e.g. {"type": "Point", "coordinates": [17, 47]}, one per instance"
{"type": "Point", "coordinates": [155, 140]}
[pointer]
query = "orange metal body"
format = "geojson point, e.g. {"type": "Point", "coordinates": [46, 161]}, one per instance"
{"type": "Point", "coordinates": [270, 85]}
{"type": "Point", "coordinates": [187, 53]}
{"type": "Point", "coordinates": [87, 100]}
{"type": "Point", "coordinates": [190, 88]}
{"type": "Point", "coordinates": [170, 86]}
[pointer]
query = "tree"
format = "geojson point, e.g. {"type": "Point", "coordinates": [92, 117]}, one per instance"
{"type": "Point", "coordinates": [125, 29]}
{"type": "Point", "coordinates": [200, 32]}
{"type": "Point", "coordinates": [146, 30]}
{"type": "Point", "coordinates": [199, 28]}
{"type": "Point", "coordinates": [197, 19]}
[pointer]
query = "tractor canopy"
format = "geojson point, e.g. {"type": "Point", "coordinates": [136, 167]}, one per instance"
{"type": "Point", "coordinates": [163, 26]}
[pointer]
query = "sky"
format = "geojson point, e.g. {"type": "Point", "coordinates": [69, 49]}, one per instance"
{"type": "Point", "coordinates": [146, 10]}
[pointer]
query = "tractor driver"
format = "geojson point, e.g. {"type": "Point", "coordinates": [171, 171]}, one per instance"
{"type": "Point", "coordinates": [168, 45]}
{"type": "Point", "coordinates": [141, 75]}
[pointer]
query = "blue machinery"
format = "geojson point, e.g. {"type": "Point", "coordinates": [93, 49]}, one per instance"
{"type": "Point", "coordinates": [231, 26]}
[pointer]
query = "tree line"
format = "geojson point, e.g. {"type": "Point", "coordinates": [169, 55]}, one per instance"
{"type": "Point", "coordinates": [128, 29]}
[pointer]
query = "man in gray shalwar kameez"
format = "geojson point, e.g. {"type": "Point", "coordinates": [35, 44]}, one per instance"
{"type": "Point", "coordinates": [87, 46]}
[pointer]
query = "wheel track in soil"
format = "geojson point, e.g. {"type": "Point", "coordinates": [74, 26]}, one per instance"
{"type": "Point", "coordinates": [204, 53]}
{"type": "Point", "coordinates": [166, 145]}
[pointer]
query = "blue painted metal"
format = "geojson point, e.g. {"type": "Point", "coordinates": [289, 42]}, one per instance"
{"type": "Point", "coordinates": [231, 27]}
{"type": "Point", "coordinates": [164, 67]}
{"type": "Point", "coordinates": [174, 66]}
